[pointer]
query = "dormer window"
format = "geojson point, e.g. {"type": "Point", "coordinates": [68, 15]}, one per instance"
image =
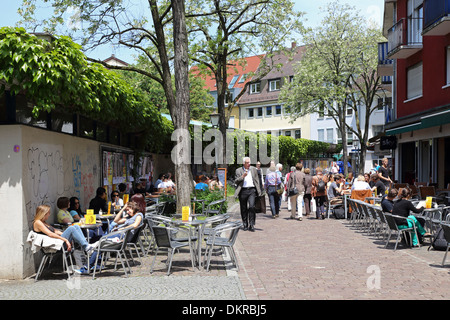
{"type": "Point", "coordinates": [275, 85]}
{"type": "Point", "coordinates": [255, 87]}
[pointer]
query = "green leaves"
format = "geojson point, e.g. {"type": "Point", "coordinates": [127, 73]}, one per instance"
{"type": "Point", "coordinates": [56, 75]}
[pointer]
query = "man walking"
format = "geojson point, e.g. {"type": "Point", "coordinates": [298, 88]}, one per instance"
{"type": "Point", "coordinates": [247, 188]}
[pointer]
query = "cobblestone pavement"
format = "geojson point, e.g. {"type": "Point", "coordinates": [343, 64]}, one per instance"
{"type": "Point", "coordinates": [329, 259]}
{"type": "Point", "coordinates": [282, 260]}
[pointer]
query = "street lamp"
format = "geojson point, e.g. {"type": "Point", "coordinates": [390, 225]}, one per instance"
{"type": "Point", "coordinates": [214, 117]}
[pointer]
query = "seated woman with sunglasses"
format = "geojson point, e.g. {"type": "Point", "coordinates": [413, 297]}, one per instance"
{"type": "Point", "coordinates": [115, 199]}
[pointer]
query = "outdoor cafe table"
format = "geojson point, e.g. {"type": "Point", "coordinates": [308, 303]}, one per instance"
{"type": "Point", "coordinates": [107, 217]}
{"type": "Point", "coordinates": [347, 194]}
{"type": "Point", "coordinates": [427, 215]}
{"type": "Point", "coordinates": [375, 199]}
{"type": "Point", "coordinates": [199, 225]}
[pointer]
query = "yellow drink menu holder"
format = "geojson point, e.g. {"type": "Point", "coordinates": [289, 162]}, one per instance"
{"type": "Point", "coordinates": [90, 217]}
{"type": "Point", "coordinates": [428, 202]}
{"type": "Point", "coordinates": [185, 212]}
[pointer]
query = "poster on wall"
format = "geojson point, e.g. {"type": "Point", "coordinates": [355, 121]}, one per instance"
{"type": "Point", "coordinates": [105, 167]}
{"type": "Point", "coordinates": [118, 167]}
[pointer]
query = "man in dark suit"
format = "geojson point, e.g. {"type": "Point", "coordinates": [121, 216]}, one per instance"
{"type": "Point", "coordinates": [247, 188]}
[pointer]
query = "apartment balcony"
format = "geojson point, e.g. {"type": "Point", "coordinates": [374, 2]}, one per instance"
{"type": "Point", "coordinates": [405, 38]}
{"type": "Point", "coordinates": [385, 67]}
{"type": "Point", "coordinates": [436, 21]}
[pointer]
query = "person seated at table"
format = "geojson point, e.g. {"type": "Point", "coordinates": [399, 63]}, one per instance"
{"type": "Point", "coordinates": [387, 203]}
{"type": "Point", "coordinates": [350, 179]}
{"type": "Point", "coordinates": [215, 184]}
{"type": "Point", "coordinates": [75, 211]}
{"type": "Point", "coordinates": [165, 186]}
{"type": "Point", "coordinates": [360, 183]}
{"type": "Point", "coordinates": [134, 217]}
{"type": "Point", "coordinates": [122, 189]}
{"type": "Point", "coordinates": [403, 208]}
{"type": "Point", "coordinates": [75, 208]}
{"type": "Point", "coordinates": [72, 233]}
{"type": "Point", "coordinates": [140, 200]}
{"type": "Point", "coordinates": [158, 181]}
{"type": "Point", "coordinates": [170, 181]}
{"type": "Point", "coordinates": [115, 200]}
{"type": "Point", "coordinates": [140, 188]}
{"type": "Point", "coordinates": [378, 187]}
{"type": "Point", "coordinates": [134, 220]}
{"type": "Point", "coordinates": [336, 190]}
{"type": "Point", "coordinates": [122, 216]}
{"type": "Point", "coordinates": [99, 202]}
{"type": "Point", "coordinates": [202, 185]}
{"type": "Point", "coordinates": [64, 215]}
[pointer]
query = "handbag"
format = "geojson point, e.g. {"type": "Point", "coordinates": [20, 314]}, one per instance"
{"type": "Point", "coordinates": [293, 191]}
{"type": "Point", "coordinates": [280, 188]}
{"type": "Point", "coordinates": [313, 205]}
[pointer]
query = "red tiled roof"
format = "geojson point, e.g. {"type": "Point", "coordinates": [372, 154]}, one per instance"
{"type": "Point", "coordinates": [236, 67]}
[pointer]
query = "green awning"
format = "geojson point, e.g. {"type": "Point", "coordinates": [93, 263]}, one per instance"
{"type": "Point", "coordinates": [428, 121]}
{"type": "Point", "coordinates": [436, 119]}
{"type": "Point", "coordinates": [402, 129]}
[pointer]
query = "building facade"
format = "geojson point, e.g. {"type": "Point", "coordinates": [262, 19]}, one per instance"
{"type": "Point", "coordinates": [238, 74]}
{"type": "Point", "coordinates": [259, 108]}
{"type": "Point", "coordinates": [418, 33]}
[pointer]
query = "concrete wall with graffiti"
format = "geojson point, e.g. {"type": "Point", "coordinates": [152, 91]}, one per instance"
{"type": "Point", "coordinates": [57, 165]}
{"type": "Point", "coordinates": [37, 167]}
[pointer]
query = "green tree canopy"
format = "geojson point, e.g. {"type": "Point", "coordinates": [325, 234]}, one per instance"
{"type": "Point", "coordinates": [56, 75]}
{"type": "Point", "coordinates": [337, 72]}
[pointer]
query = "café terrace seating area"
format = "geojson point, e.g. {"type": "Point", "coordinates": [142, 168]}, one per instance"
{"type": "Point", "coordinates": [167, 242]}
{"type": "Point", "coordinates": [365, 215]}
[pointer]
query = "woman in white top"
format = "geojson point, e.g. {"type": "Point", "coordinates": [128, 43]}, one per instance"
{"type": "Point", "coordinates": [360, 183]}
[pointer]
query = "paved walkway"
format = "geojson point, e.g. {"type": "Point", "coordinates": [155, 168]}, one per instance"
{"type": "Point", "coordinates": [282, 260]}
{"type": "Point", "coordinates": [329, 259]}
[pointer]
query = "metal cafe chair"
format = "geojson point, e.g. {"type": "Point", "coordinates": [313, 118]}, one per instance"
{"type": "Point", "coordinates": [393, 227]}
{"type": "Point", "coordinates": [216, 239]}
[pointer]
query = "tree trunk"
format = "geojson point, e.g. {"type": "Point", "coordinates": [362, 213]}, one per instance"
{"type": "Point", "coordinates": [221, 78]}
{"type": "Point", "coordinates": [180, 114]}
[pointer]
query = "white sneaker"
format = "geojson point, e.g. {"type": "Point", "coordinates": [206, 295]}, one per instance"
{"type": "Point", "coordinates": [90, 248]}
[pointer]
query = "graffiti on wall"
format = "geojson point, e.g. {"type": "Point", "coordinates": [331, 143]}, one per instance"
{"type": "Point", "coordinates": [53, 174]}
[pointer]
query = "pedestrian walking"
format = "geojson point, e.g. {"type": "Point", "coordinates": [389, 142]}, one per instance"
{"type": "Point", "coordinates": [319, 192]}
{"type": "Point", "coordinates": [308, 188]}
{"type": "Point", "coordinates": [286, 182]}
{"type": "Point", "coordinates": [247, 189]}
{"type": "Point", "coordinates": [271, 183]}
{"type": "Point", "coordinates": [297, 180]}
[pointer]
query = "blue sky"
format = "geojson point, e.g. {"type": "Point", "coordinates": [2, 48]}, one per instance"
{"type": "Point", "coordinates": [372, 9]}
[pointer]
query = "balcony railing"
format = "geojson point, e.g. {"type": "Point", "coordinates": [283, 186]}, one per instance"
{"type": "Point", "coordinates": [406, 32]}
{"type": "Point", "coordinates": [435, 10]}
